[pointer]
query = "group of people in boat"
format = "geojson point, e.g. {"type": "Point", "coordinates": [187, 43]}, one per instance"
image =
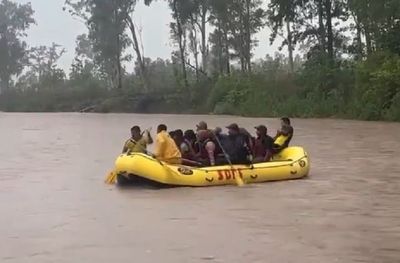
{"type": "Point", "coordinates": [209, 147]}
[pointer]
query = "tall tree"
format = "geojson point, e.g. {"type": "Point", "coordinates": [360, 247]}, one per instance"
{"type": "Point", "coordinates": [180, 15]}
{"type": "Point", "coordinates": [236, 22]}
{"type": "Point", "coordinates": [84, 61]}
{"type": "Point", "coordinates": [127, 8]}
{"type": "Point", "coordinates": [15, 19]}
{"type": "Point", "coordinates": [376, 21]}
{"type": "Point", "coordinates": [281, 14]}
{"type": "Point", "coordinates": [107, 31]}
{"type": "Point", "coordinates": [219, 39]}
{"type": "Point", "coordinates": [108, 21]}
{"type": "Point", "coordinates": [43, 71]}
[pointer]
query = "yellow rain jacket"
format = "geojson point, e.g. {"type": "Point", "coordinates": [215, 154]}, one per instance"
{"type": "Point", "coordinates": [166, 149]}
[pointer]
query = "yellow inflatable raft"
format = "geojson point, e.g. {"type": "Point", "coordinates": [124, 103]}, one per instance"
{"type": "Point", "coordinates": [291, 163]}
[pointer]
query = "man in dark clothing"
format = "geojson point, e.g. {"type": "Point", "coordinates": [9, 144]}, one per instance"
{"type": "Point", "coordinates": [263, 144]}
{"type": "Point", "coordinates": [235, 146]}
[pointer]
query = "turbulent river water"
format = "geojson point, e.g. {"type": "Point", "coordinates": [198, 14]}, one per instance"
{"type": "Point", "coordinates": [55, 207]}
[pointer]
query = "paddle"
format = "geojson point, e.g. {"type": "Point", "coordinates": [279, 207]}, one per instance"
{"type": "Point", "coordinates": [239, 180]}
{"type": "Point", "coordinates": [111, 178]}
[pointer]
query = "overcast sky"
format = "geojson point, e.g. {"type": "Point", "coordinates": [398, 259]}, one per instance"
{"type": "Point", "coordinates": [55, 25]}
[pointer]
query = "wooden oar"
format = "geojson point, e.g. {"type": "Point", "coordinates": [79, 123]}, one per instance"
{"type": "Point", "coordinates": [111, 178]}
{"type": "Point", "coordinates": [239, 180]}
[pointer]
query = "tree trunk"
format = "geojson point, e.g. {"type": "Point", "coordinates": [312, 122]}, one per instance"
{"type": "Point", "coordinates": [182, 44]}
{"type": "Point", "coordinates": [322, 33]}
{"type": "Point", "coordinates": [4, 84]}
{"type": "Point", "coordinates": [227, 59]}
{"type": "Point", "coordinates": [290, 46]}
{"type": "Point", "coordinates": [359, 39]}
{"type": "Point", "coordinates": [220, 51]}
{"type": "Point", "coordinates": [203, 47]}
{"type": "Point", "coordinates": [248, 37]}
{"type": "Point", "coordinates": [241, 36]}
{"type": "Point", "coordinates": [328, 8]}
{"type": "Point", "coordinates": [119, 71]}
{"type": "Point", "coordinates": [136, 48]}
{"type": "Point", "coordinates": [118, 62]}
{"type": "Point", "coordinates": [118, 77]}
{"type": "Point", "coordinates": [368, 40]}
{"type": "Point", "coordinates": [194, 47]}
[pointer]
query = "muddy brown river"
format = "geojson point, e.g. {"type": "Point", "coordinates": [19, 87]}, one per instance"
{"type": "Point", "coordinates": [55, 207]}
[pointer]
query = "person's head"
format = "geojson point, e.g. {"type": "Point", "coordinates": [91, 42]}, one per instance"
{"type": "Point", "coordinates": [178, 134]}
{"type": "Point", "coordinates": [285, 121]}
{"type": "Point", "coordinates": [217, 131]}
{"type": "Point", "coordinates": [202, 135]}
{"type": "Point", "coordinates": [202, 126]}
{"type": "Point", "coordinates": [233, 129]}
{"type": "Point", "coordinates": [261, 130]}
{"type": "Point", "coordinates": [135, 132]}
{"type": "Point", "coordinates": [190, 135]}
{"type": "Point", "coordinates": [161, 127]}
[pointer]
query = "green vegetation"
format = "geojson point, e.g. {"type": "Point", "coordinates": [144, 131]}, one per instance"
{"type": "Point", "coordinates": [343, 60]}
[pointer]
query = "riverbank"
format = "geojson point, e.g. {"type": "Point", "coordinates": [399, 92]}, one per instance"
{"type": "Point", "coordinates": [366, 90]}
{"type": "Point", "coordinates": [293, 106]}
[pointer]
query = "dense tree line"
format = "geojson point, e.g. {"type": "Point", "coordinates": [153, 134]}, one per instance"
{"type": "Point", "coordinates": [337, 58]}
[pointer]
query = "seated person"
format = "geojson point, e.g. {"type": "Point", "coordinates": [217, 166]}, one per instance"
{"type": "Point", "coordinates": [187, 146]}
{"type": "Point", "coordinates": [138, 142]}
{"type": "Point", "coordinates": [207, 148]}
{"type": "Point", "coordinates": [283, 136]}
{"type": "Point", "coordinates": [236, 147]}
{"type": "Point", "coordinates": [166, 149]}
{"type": "Point", "coordinates": [263, 143]}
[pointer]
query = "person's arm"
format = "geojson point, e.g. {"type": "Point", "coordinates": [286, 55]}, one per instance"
{"type": "Point", "coordinates": [210, 147]}
{"type": "Point", "coordinates": [268, 155]}
{"type": "Point", "coordinates": [251, 144]}
{"type": "Point", "coordinates": [148, 138]}
{"type": "Point", "coordinates": [247, 147]}
{"type": "Point", "coordinates": [191, 150]}
{"type": "Point", "coordinates": [285, 131]}
{"type": "Point", "coordinates": [125, 149]}
{"type": "Point", "coordinates": [184, 148]}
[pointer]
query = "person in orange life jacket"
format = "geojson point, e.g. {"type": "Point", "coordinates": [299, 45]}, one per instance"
{"type": "Point", "coordinates": [263, 144]}
{"type": "Point", "coordinates": [166, 149]}
{"type": "Point", "coordinates": [207, 148]}
{"type": "Point", "coordinates": [137, 142]}
{"type": "Point", "coordinates": [283, 136]}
